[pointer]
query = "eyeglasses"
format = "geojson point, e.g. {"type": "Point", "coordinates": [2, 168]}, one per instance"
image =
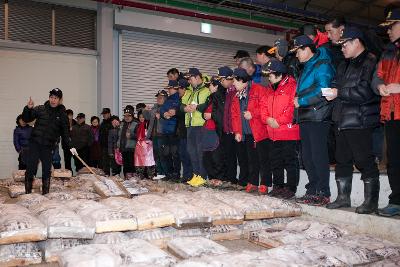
{"type": "Point", "coordinates": [346, 44]}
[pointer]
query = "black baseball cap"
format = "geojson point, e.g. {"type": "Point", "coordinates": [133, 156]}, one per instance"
{"type": "Point", "coordinates": [183, 83]}
{"type": "Point", "coordinates": [105, 111]}
{"type": "Point", "coordinates": [56, 92]}
{"type": "Point", "coordinates": [300, 41]}
{"type": "Point", "coordinates": [350, 33]}
{"type": "Point", "coordinates": [240, 73]}
{"type": "Point", "coordinates": [129, 109]}
{"type": "Point", "coordinates": [241, 54]}
{"type": "Point", "coordinates": [192, 72]}
{"type": "Point", "coordinates": [172, 84]}
{"type": "Point", "coordinates": [225, 72]}
{"type": "Point", "coordinates": [80, 115]}
{"type": "Point", "coordinates": [274, 65]}
{"type": "Point", "coordinates": [162, 92]}
{"type": "Point", "coordinates": [392, 17]}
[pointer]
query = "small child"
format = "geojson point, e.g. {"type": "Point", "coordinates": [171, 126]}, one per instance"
{"type": "Point", "coordinates": [95, 148]}
{"type": "Point", "coordinates": [144, 158]}
{"type": "Point", "coordinates": [22, 134]}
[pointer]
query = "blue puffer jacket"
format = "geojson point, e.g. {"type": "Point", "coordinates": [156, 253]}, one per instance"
{"type": "Point", "coordinates": [318, 73]}
{"type": "Point", "coordinates": [168, 126]}
{"type": "Point", "coordinates": [257, 76]}
{"type": "Point", "coordinates": [21, 137]}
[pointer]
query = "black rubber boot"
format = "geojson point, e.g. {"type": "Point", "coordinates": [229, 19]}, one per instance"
{"type": "Point", "coordinates": [371, 196]}
{"type": "Point", "coordinates": [45, 186]}
{"type": "Point", "coordinates": [344, 190]}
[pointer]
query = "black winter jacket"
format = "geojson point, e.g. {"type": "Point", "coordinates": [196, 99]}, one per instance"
{"type": "Point", "coordinates": [217, 100]}
{"type": "Point", "coordinates": [293, 65]}
{"type": "Point", "coordinates": [357, 106]}
{"type": "Point", "coordinates": [105, 128]}
{"type": "Point", "coordinates": [81, 136]}
{"type": "Point", "coordinates": [51, 123]}
{"type": "Point", "coordinates": [336, 53]}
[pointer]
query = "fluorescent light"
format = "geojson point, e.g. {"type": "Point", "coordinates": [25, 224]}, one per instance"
{"type": "Point", "coordinates": [205, 28]}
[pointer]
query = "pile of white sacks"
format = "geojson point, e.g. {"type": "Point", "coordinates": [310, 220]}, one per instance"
{"type": "Point", "coordinates": [178, 228]}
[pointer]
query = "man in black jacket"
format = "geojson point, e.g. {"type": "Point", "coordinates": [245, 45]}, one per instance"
{"type": "Point", "coordinates": [215, 161]}
{"type": "Point", "coordinates": [227, 149]}
{"type": "Point", "coordinates": [356, 113]}
{"type": "Point", "coordinates": [105, 128]}
{"type": "Point", "coordinates": [51, 123]}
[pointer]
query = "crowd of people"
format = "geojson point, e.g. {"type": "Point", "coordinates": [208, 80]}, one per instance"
{"type": "Point", "coordinates": [308, 103]}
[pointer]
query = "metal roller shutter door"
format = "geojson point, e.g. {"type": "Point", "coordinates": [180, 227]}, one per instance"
{"type": "Point", "coordinates": [146, 58]}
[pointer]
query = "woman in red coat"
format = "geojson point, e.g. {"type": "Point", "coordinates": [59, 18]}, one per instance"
{"type": "Point", "coordinates": [248, 128]}
{"type": "Point", "coordinates": [277, 109]}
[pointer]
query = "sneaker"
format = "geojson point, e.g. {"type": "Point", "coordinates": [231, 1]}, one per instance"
{"type": "Point", "coordinates": [276, 191]}
{"type": "Point", "coordinates": [306, 199]}
{"type": "Point", "coordinates": [390, 210]}
{"type": "Point", "coordinates": [320, 201]}
{"type": "Point", "coordinates": [251, 188]}
{"type": "Point", "coordinates": [263, 190]}
{"type": "Point", "coordinates": [199, 181]}
{"type": "Point", "coordinates": [286, 193]}
{"type": "Point", "coordinates": [191, 181]}
{"type": "Point", "coordinates": [159, 177]}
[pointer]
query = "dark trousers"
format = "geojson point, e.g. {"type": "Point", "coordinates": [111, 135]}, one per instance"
{"type": "Point", "coordinates": [284, 156]}
{"type": "Point", "coordinates": [314, 151]}
{"type": "Point", "coordinates": [355, 147]}
{"type": "Point", "coordinates": [169, 154]}
{"type": "Point", "coordinates": [214, 163]}
{"type": "Point", "coordinates": [84, 155]}
{"type": "Point", "coordinates": [185, 160]}
{"type": "Point", "coordinates": [194, 140]}
{"type": "Point", "coordinates": [22, 159]}
{"type": "Point", "coordinates": [241, 150]}
{"type": "Point", "coordinates": [35, 153]}
{"type": "Point", "coordinates": [157, 155]}
{"type": "Point", "coordinates": [258, 161]}
{"type": "Point", "coordinates": [67, 159]}
{"type": "Point", "coordinates": [378, 136]}
{"type": "Point", "coordinates": [127, 157]}
{"type": "Point", "coordinates": [229, 146]}
{"type": "Point", "coordinates": [115, 168]}
{"type": "Point", "coordinates": [105, 161]}
{"type": "Point", "coordinates": [332, 145]}
{"type": "Point", "coordinates": [56, 158]}
{"type": "Point", "coordinates": [392, 132]}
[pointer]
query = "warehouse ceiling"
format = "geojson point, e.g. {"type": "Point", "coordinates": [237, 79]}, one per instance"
{"type": "Point", "coordinates": [364, 12]}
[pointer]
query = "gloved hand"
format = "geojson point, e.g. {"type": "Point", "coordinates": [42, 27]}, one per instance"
{"type": "Point", "coordinates": [73, 151]}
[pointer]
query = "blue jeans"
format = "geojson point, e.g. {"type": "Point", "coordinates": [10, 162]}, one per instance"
{"type": "Point", "coordinates": [194, 147]}
{"type": "Point", "coordinates": [185, 159]}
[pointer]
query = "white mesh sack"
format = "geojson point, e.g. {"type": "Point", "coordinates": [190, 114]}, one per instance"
{"type": "Point", "coordinates": [18, 225]}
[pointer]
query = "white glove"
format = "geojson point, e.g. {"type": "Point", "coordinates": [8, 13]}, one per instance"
{"type": "Point", "coordinates": [73, 151]}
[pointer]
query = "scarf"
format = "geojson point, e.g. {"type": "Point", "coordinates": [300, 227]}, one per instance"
{"type": "Point", "coordinates": [243, 94]}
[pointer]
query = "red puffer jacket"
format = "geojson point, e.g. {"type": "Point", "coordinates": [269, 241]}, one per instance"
{"type": "Point", "coordinates": [258, 128]}
{"type": "Point", "coordinates": [278, 104]}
